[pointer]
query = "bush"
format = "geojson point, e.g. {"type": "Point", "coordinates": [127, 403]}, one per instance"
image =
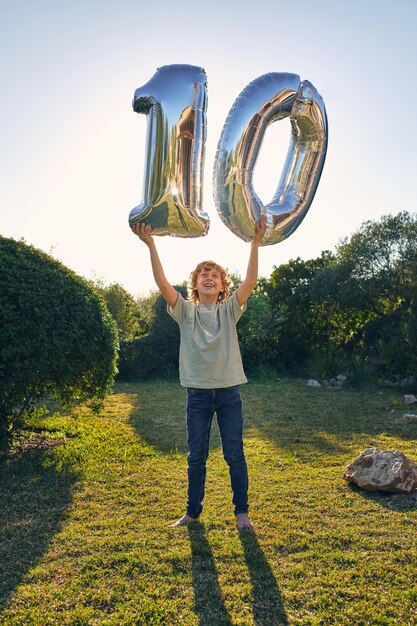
{"type": "Point", "coordinates": [56, 336]}
{"type": "Point", "coordinates": [259, 331]}
{"type": "Point", "coordinates": [155, 354]}
{"type": "Point", "coordinates": [361, 372]}
{"type": "Point", "coordinates": [123, 308]}
{"type": "Point", "coordinates": [328, 362]}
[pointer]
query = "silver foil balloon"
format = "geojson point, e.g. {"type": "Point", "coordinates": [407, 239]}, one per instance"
{"type": "Point", "coordinates": [269, 98]}
{"type": "Point", "coordinates": [175, 102]}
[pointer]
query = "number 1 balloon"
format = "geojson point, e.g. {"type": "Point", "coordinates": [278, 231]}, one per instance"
{"type": "Point", "coordinates": [269, 98]}
{"type": "Point", "coordinates": [175, 102]}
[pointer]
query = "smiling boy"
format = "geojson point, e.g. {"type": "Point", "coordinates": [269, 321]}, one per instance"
{"type": "Point", "coordinates": [210, 368]}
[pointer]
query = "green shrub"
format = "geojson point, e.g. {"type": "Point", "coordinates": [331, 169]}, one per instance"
{"type": "Point", "coordinates": [361, 372]}
{"type": "Point", "coordinates": [123, 308]}
{"type": "Point", "coordinates": [156, 354]}
{"type": "Point", "coordinates": [328, 362]}
{"type": "Point", "coordinates": [56, 335]}
{"type": "Point", "coordinates": [259, 330]}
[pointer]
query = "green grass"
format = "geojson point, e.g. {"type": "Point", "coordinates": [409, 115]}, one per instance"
{"type": "Point", "coordinates": [85, 502]}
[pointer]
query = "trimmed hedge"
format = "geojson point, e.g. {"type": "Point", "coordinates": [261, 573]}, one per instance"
{"type": "Point", "coordinates": [56, 335]}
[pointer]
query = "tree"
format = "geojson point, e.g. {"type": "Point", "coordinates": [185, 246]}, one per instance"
{"type": "Point", "coordinates": [123, 308]}
{"type": "Point", "coordinates": [259, 329]}
{"type": "Point", "coordinates": [374, 270]}
{"type": "Point", "coordinates": [370, 293]}
{"type": "Point", "coordinates": [301, 321]}
{"type": "Point", "coordinates": [56, 336]}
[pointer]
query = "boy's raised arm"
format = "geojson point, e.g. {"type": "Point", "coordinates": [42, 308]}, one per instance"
{"type": "Point", "coordinates": [245, 288]}
{"type": "Point", "coordinates": [144, 232]}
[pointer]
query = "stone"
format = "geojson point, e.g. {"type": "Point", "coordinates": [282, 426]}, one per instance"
{"type": "Point", "coordinates": [313, 383]}
{"type": "Point", "coordinates": [410, 418]}
{"type": "Point", "coordinates": [410, 399]}
{"type": "Point", "coordinates": [377, 470]}
{"type": "Point", "coordinates": [410, 381]}
{"type": "Point", "coordinates": [334, 383]}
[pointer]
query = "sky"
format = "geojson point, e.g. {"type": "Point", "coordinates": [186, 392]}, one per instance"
{"type": "Point", "coordinates": [72, 150]}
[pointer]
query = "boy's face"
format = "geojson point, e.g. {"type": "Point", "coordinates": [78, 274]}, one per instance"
{"type": "Point", "coordinates": [209, 284]}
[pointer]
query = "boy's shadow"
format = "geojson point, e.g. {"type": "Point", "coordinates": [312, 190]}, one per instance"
{"type": "Point", "coordinates": [268, 608]}
{"type": "Point", "coordinates": [209, 603]}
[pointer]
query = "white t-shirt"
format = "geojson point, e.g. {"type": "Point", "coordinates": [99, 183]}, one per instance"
{"type": "Point", "coordinates": [209, 350]}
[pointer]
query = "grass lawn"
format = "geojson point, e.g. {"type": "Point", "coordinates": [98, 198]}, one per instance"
{"type": "Point", "coordinates": [85, 502]}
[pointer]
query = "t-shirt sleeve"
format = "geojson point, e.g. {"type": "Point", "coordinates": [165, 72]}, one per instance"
{"type": "Point", "coordinates": [177, 312]}
{"type": "Point", "coordinates": [235, 307]}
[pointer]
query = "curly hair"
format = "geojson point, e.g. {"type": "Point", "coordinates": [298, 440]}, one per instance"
{"type": "Point", "coordinates": [209, 265]}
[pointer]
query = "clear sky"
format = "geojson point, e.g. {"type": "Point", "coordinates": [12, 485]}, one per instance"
{"type": "Point", "coordinates": [72, 149]}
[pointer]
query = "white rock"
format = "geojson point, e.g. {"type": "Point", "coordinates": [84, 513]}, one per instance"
{"type": "Point", "coordinates": [410, 399]}
{"type": "Point", "coordinates": [376, 470]}
{"type": "Point", "coordinates": [410, 418]}
{"type": "Point", "coordinates": [313, 383]}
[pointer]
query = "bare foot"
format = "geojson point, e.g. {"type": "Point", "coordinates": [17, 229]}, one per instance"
{"type": "Point", "coordinates": [243, 521]}
{"type": "Point", "coordinates": [186, 519]}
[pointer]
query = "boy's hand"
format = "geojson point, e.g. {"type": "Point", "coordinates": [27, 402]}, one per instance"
{"type": "Point", "coordinates": [144, 232]}
{"type": "Point", "coordinates": [260, 229]}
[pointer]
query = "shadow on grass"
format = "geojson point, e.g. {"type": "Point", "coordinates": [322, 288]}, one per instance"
{"type": "Point", "coordinates": [400, 502]}
{"type": "Point", "coordinates": [34, 498]}
{"type": "Point", "coordinates": [268, 606]}
{"type": "Point", "coordinates": [310, 422]}
{"type": "Point", "coordinates": [158, 413]}
{"type": "Point", "coordinates": [208, 598]}
{"type": "Point", "coordinates": [288, 413]}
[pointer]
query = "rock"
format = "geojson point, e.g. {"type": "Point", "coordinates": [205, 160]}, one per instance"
{"type": "Point", "coordinates": [341, 378]}
{"type": "Point", "coordinates": [313, 383]}
{"type": "Point", "coordinates": [376, 470]}
{"type": "Point", "coordinates": [409, 382]}
{"type": "Point", "coordinates": [410, 399]}
{"type": "Point", "coordinates": [331, 382]}
{"type": "Point", "coordinates": [410, 418]}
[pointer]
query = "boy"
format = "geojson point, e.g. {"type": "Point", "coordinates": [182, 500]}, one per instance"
{"type": "Point", "coordinates": [210, 368]}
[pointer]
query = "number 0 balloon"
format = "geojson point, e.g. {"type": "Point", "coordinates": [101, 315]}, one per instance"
{"type": "Point", "coordinates": [175, 101]}
{"type": "Point", "coordinates": [269, 98]}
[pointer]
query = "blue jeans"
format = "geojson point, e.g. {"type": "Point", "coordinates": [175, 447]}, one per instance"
{"type": "Point", "coordinates": [201, 406]}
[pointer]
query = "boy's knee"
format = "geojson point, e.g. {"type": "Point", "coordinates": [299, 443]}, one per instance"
{"type": "Point", "coordinates": [196, 461]}
{"type": "Point", "coordinates": [235, 459]}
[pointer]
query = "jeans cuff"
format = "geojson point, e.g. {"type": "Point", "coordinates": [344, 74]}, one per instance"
{"type": "Point", "coordinates": [242, 510]}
